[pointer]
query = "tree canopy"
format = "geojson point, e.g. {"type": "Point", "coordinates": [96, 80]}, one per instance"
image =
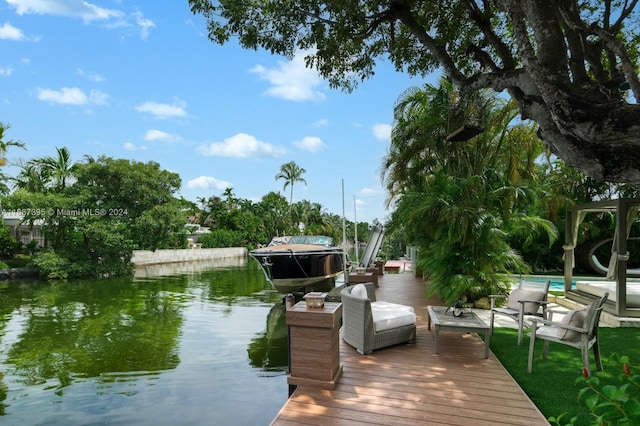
{"type": "Point", "coordinates": [93, 224]}
{"type": "Point", "coordinates": [571, 66]}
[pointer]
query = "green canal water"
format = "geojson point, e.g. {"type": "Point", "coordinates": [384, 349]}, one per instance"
{"type": "Point", "coordinates": [194, 344]}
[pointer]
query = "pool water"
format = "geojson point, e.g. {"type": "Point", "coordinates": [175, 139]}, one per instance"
{"type": "Point", "coordinates": [556, 282]}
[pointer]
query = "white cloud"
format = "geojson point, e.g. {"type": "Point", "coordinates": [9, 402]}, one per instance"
{"type": "Point", "coordinates": [70, 8]}
{"type": "Point", "coordinates": [241, 145]}
{"type": "Point", "coordinates": [144, 24]}
{"type": "Point", "coordinates": [382, 132]}
{"type": "Point", "coordinates": [131, 147]}
{"type": "Point", "coordinates": [72, 96]}
{"type": "Point", "coordinates": [292, 80]}
{"type": "Point", "coordinates": [321, 123]}
{"type": "Point", "coordinates": [6, 71]}
{"type": "Point", "coordinates": [159, 135]}
{"type": "Point", "coordinates": [163, 111]}
{"type": "Point", "coordinates": [9, 32]}
{"type": "Point", "coordinates": [91, 76]}
{"type": "Point", "coordinates": [86, 11]}
{"type": "Point", "coordinates": [369, 192]}
{"type": "Point", "coordinates": [311, 144]}
{"type": "Point", "coordinates": [208, 182]}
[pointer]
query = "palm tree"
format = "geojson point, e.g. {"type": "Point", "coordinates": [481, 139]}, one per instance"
{"type": "Point", "coordinates": [29, 177]}
{"type": "Point", "coordinates": [291, 173]}
{"type": "Point", "coordinates": [230, 198]}
{"type": "Point", "coordinates": [57, 169]}
{"type": "Point", "coordinates": [418, 137]}
{"type": "Point", "coordinates": [460, 201]}
{"type": "Point", "coordinates": [4, 145]}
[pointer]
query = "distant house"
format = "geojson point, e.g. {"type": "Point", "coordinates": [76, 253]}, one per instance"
{"type": "Point", "coordinates": [24, 232]}
{"type": "Point", "coordinates": [194, 231]}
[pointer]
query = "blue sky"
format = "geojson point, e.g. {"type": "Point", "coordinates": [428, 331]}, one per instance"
{"type": "Point", "coordinates": [140, 80]}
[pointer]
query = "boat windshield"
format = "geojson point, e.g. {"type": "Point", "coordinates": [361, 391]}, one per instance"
{"type": "Point", "coordinates": [319, 240]}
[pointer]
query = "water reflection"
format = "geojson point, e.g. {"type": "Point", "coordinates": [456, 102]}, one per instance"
{"type": "Point", "coordinates": [269, 350]}
{"type": "Point", "coordinates": [56, 331]}
{"type": "Point", "coordinates": [144, 350]}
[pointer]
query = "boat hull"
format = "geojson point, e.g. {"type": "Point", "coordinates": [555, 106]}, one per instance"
{"type": "Point", "coordinates": [292, 267]}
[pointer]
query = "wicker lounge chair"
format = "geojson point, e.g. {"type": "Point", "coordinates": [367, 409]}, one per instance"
{"type": "Point", "coordinates": [368, 325]}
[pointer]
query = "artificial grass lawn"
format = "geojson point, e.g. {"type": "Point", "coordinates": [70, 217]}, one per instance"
{"type": "Point", "coordinates": [552, 386]}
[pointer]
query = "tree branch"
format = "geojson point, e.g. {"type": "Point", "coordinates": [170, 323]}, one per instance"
{"type": "Point", "coordinates": [480, 18]}
{"type": "Point", "coordinates": [628, 69]}
{"type": "Point", "coordinates": [401, 12]}
{"type": "Point", "coordinates": [574, 30]}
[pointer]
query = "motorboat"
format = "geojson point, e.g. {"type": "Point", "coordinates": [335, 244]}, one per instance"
{"type": "Point", "coordinates": [301, 263]}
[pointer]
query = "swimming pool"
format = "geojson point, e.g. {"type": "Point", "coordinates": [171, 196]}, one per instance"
{"type": "Point", "coordinates": [556, 281]}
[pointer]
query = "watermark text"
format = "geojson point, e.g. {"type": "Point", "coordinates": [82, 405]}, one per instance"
{"type": "Point", "coordinates": [41, 212]}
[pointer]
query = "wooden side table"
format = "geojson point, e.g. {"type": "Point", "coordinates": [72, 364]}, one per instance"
{"type": "Point", "coordinates": [367, 277]}
{"type": "Point", "coordinates": [314, 339]}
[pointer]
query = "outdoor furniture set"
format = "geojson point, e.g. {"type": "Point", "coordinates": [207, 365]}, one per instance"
{"type": "Point", "coordinates": [369, 325]}
{"type": "Point", "coordinates": [578, 328]}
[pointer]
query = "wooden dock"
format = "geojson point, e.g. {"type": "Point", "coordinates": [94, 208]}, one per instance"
{"type": "Point", "coordinates": [410, 384]}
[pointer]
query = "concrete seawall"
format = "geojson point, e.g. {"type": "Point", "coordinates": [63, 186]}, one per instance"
{"type": "Point", "coordinates": [190, 267]}
{"type": "Point", "coordinates": [148, 257]}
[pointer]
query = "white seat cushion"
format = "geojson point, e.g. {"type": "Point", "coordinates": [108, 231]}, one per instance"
{"type": "Point", "coordinates": [548, 330]}
{"type": "Point", "coordinates": [599, 288]}
{"type": "Point", "coordinates": [391, 315]}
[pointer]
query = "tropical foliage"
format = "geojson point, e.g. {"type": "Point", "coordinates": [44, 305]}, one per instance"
{"type": "Point", "coordinates": [95, 212]}
{"type": "Point", "coordinates": [247, 223]}
{"type": "Point", "coordinates": [462, 201]}
{"type": "Point", "coordinates": [6, 144]}
{"type": "Point", "coordinates": [111, 208]}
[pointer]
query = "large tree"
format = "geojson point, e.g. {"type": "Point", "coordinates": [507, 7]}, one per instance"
{"type": "Point", "coordinates": [112, 207]}
{"type": "Point", "coordinates": [570, 65]}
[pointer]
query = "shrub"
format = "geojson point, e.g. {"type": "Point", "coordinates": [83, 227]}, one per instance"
{"type": "Point", "coordinates": [219, 238]}
{"type": "Point", "coordinates": [9, 246]}
{"type": "Point", "coordinates": [51, 265]}
{"type": "Point", "coordinates": [610, 402]}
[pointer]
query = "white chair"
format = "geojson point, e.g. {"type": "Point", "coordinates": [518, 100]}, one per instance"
{"type": "Point", "coordinates": [578, 329]}
{"type": "Point", "coordinates": [530, 298]}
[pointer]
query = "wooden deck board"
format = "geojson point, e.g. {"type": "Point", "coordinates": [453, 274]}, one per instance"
{"type": "Point", "coordinates": [410, 384]}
